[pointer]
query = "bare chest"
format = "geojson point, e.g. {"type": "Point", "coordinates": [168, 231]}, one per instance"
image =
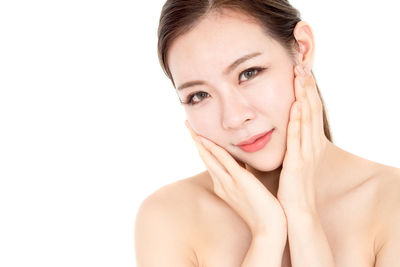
{"type": "Point", "coordinates": [224, 238]}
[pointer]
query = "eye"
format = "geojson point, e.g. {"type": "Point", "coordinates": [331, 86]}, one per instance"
{"type": "Point", "coordinates": [190, 100]}
{"type": "Point", "coordinates": [250, 73]}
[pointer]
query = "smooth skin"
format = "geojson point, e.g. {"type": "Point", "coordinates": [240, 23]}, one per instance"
{"type": "Point", "coordinates": [264, 213]}
{"type": "Point", "coordinates": [222, 217]}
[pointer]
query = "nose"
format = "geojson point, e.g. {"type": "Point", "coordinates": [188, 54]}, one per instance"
{"type": "Point", "coordinates": [236, 111]}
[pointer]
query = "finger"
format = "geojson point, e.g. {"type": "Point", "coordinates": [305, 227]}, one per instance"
{"type": "Point", "coordinates": [192, 133]}
{"type": "Point", "coordinates": [293, 134]}
{"type": "Point", "coordinates": [306, 133]}
{"type": "Point", "coordinates": [299, 90]}
{"type": "Point", "coordinates": [221, 178]}
{"type": "Point", "coordinates": [315, 108]}
{"type": "Point", "coordinates": [229, 163]}
{"type": "Point", "coordinates": [211, 164]}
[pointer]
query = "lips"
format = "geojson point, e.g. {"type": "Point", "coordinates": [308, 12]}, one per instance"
{"type": "Point", "coordinates": [253, 139]}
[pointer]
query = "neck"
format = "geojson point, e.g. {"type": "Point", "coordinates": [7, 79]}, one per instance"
{"type": "Point", "coordinates": [269, 179]}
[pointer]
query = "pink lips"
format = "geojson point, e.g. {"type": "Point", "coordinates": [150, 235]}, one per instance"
{"type": "Point", "coordinates": [256, 142]}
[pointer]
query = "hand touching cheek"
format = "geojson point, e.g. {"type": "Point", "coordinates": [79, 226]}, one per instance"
{"type": "Point", "coordinates": [242, 191]}
{"type": "Point", "coordinates": [306, 145]}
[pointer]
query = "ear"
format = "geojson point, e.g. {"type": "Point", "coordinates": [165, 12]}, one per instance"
{"type": "Point", "coordinates": [305, 39]}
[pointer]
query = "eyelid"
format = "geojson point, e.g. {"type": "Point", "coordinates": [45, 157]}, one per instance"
{"type": "Point", "coordinates": [259, 69]}
{"type": "Point", "coordinates": [190, 97]}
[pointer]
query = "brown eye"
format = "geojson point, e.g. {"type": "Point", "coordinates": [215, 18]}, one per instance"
{"type": "Point", "coordinates": [195, 98]}
{"type": "Point", "coordinates": [249, 74]}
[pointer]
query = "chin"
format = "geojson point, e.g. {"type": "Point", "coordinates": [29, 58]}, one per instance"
{"type": "Point", "coordinates": [267, 163]}
{"type": "Point", "coordinates": [266, 166]}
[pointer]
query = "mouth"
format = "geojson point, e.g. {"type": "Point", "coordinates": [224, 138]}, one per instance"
{"type": "Point", "coordinates": [256, 142]}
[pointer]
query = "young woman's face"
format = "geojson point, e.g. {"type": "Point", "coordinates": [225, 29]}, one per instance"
{"type": "Point", "coordinates": [231, 104]}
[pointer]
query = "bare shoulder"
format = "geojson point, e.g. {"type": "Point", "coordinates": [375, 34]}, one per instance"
{"type": "Point", "coordinates": [384, 181]}
{"type": "Point", "coordinates": [372, 181]}
{"type": "Point", "coordinates": [166, 224]}
{"type": "Point", "coordinates": [387, 208]}
{"type": "Point", "coordinates": [184, 197]}
{"type": "Point", "coordinates": [387, 179]}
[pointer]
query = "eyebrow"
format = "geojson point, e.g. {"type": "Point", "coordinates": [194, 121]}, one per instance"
{"type": "Point", "coordinates": [228, 70]}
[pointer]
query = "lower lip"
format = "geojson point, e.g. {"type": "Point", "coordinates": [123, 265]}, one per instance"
{"type": "Point", "coordinates": [258, 144]}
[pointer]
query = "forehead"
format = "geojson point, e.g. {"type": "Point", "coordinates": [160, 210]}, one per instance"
{"type": "Point", "coordinates": [214, 43]}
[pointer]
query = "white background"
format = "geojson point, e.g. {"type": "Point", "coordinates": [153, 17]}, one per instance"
{"type": "Point", "coordinates": [90, 126]}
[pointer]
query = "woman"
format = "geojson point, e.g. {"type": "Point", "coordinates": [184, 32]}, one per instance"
{"type": "Point", "coordinates": [277, 191]}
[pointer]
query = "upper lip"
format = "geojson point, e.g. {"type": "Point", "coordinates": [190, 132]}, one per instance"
{"type": "Point", "coordinates": [253, 138]}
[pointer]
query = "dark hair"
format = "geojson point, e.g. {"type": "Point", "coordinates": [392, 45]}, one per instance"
{"type": "Point", "coordinates": [278, 18]}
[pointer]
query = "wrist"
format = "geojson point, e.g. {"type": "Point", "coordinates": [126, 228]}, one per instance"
{"type": "Point", "coordinates": [302, 216]}
{"type": "Point", "coordinates": [276, 240]}
{"type": "Point", "coordinates": [276, 231]}
{"type": "Point", "coordinates": [299, 208]}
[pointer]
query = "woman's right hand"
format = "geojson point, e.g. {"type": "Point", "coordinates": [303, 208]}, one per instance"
{"type": "Point", "coordinates": [242, 191]}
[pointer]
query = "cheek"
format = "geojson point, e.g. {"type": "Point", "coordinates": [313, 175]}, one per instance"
{"type": "Point", "coordinates": [203, 121]}
{"type": "Point", "coordinates": [285, 99]}
{"type": "Point", "coordinates": [275, 101]}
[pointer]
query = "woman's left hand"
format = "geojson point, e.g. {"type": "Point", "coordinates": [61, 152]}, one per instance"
{"type": "Point", "coordinates": [306, 145]}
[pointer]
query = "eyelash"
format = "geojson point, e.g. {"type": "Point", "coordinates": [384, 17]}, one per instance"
{"type": "Point", "coordinates": [189, 99]}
